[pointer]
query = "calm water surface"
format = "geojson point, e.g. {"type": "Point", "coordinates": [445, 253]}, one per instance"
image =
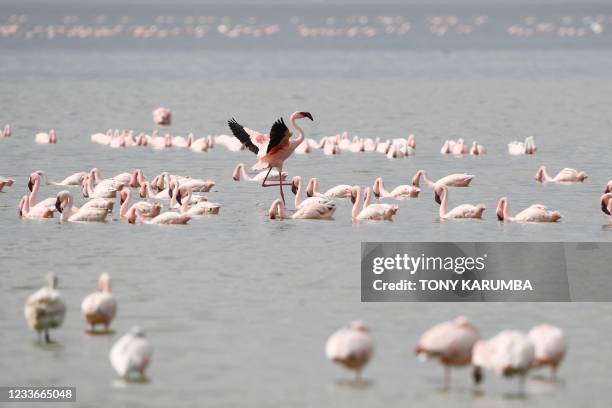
{"type": "Point", "coordinates": [238, 307]}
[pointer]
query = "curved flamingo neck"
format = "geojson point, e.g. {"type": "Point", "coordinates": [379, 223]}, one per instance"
{"type": "Point", "coordinates": [186, 202]}
{"type": "Point", "coordinates": [426, 179]}
{"type": "Point", "coordinates": [299, 130]}
{"type": "Point", "coordinates": [382, 191]}
{"type": "Point", "coordinates": [67, 208]}
{"type": "Point", "coordinates": [368, 198]}
{"type": "Point", "coordinates": [444, 204]}
{"type": "Point", "coordinates": [24, 205]}
{"type": "Point", "coordinates": [126, 203]}
{"type": "Point", "coordinates": [357, 205]}
{"type": "Point", "coordinates": [34, 193]}
{"type": "Point", "coordinates": [298, 195]}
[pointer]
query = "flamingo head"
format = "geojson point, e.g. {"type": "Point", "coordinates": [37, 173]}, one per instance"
{"type": "Point", "coordinates": [59, 201]}
{"type": "Point", "coordinates": [295, 184]}
{"type": "Point", "coordinates": [417, 178]}
{"type": "Point", "coordinates": [104, 283]}
{"type": "Point", "coordinates": [556, 216]}
{"type": "Point", "coordinates": [477, 374]}
{"type": "Point", "coordinates": [437, 195]}
{"type": "Point", "coordinates": [300, 115]}
{"type": "Point", "coordinates": [499, 211]}
{"type": "Point", "coordinates": [582, 176]}
{"type": "Point", "coordinates": [30, 184]}
{"type": "Point", "coordinates": [358, 325]}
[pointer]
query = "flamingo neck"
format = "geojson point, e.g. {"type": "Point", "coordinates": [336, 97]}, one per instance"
{"type": "Point", "coordinates": [298, 195]}
{"type": "Point", "coordinates": [427, 180]}
{"type": "Point", "coordinates": [67, 209]}
{"type": "Point", "coordinates": [368, 198]}
{"type": "Point", "coordinates": [185, 203]}
{"type": "Point", "coordinates": [357, 205]}
{"type": "Point", "coordinates": [126, 203]}
{"type": "Point", "coordinates": [299, 130]}
{"type": "Point", "coordinates": [24, 205]}
{"type": "Point", "coordinates": [444, 204]}
{"type": "Point", "coordinates": [382, 191]}
{"type": "Point", "coordinates": [34, 193]}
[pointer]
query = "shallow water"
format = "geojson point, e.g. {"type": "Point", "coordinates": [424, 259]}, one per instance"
{"type": "Point", "coordinates": [238, 307]}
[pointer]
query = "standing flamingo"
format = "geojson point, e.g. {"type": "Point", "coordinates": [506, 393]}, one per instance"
{"type": "Point", "coordinates": [534, 213]}
{"type": "Point", "coordinates": [566, 175]}
{"type": "Point", "coordinates": [45, 309]}
{"type": "Point", "coordinates": [399, 193]}
{"type": "Point", "coordinates": [450, 343]}
{"type": "Point", "coordinates": [100, 307]}
{"type": "Point", "coordinates": [374, 212]}
{"type": "Point", "coordinates": [550, 347]}
{"type": "Point", "coordinates": [351, 347]}
{"type": "Point", "coordinates": [131, 355]}
{"type": "Point", "coordinates": [461, 211]}
{"type": "Point", "coordinates": [452, 180]}
{"type": "Point", "coordinates": [507, 354]}
{"type": "Point", "coordinates": [279, 148]}
{"type": "Point", "coordinates": [240, 172]}
{"type": "Point", "coordinates": [314, 211]}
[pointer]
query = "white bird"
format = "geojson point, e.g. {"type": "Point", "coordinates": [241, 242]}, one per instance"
{"type": "Point", "coordinates": [550, 346]}
{"type": "Point", "coordinates": [45, 309]}
{"type": "Point", "coordinates": [46, 138]}
{"type": "Point", "coordinates": [374, 212]}
{"type": "Point", "coordinates": [100, 307]}
{"type": "Point", "coordinates": [131, 355]}
{"type": "Point", "coordinates": [351, 347]}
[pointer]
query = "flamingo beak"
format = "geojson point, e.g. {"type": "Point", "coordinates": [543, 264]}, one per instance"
{"type": "Point", "coordinates": [122, 200]}
{"type": "Point", "coordinates": [170, 192]}
{"type": "Point", "coordinates": [20, 213]}
{"type": "Point", "coordinates": [437, 198]}
{"type": "Point", "coordinates": [294, 188]}
{"type": "Point", "coordinates": [608, 189]}
{"type": "Point", "coordinates": [30, 184]}
{"type": "Point", "coordinates": [353, 197]}
{"type": "Point", "coordinates": [58, 205]}
{"type": "Point", "coordinates": [477, 375]}
{"type": "Point", "coordinates": [500, 216]}
{"type": "Point", "coordinates": [307, 115]}
{"type": "Point", "coordinates": [604, 207]}
{"type": "Point", "coordinates": [179, 197]}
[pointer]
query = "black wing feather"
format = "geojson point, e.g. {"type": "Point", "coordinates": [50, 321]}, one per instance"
{"type": "Point", "coordinates": [277, 133]}
{"type": "Point", "coordinates": [241, 134]}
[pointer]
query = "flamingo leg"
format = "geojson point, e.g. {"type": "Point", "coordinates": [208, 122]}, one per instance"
{"type": "Point", "coordinates": [280, 183]}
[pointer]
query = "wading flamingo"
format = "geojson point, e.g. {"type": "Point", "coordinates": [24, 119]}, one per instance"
{"type": "Point", "coordinates": [297, 189]}
{"type": "Point", "coordinates": [450, 343]}
{"type": "Point", "coordinates": [279, 149]}
{"type": "Point", "coordinates": [351, 347]}
{"type": "Point", "coordinates": [100, 307]}
{"type": "Point", "coordinates": [510, 353]}
{"type": "Point", "coordinates": [452, 180]}
{"type": "Point", "coordinates": [64, 202]}
{"type": "Point", "coordinates": [606, 204]}
{"type": "Point", "coordinates": [39, 211]}
{"type": "Point", "coordinates": [339, 191]}
{"type": "Point", "coordinates": [166, 218]}
{"type": "Point", "coordinates": [162, 116]}
{"type": "Point", "coordinates": [184, 197]}
{"type": "Point", "coordinates": [131, 355]}
{"type": "Point", "coordinates": [550, 347]}
{"type": "Point", "coordinates": [315, 211]}
{"type": "Point", "coordinates": [45, 309]}
{"type": "Point", "coordinates": [107, 188]}
{"type": "Point", "coordinates": [608, 187]}
{"type": "Point", "coordinates": [477, 149]}
{"type": "Point", "coordinates": [374, 212]}
{"type": "Point", "coordinates": [5, 182]}
{"type": "Point", "coordinates": [74, 180]}
{"type": "Point", "coordinates": [518, 148]}
{"type": "Point", "coordinates": [461, 211]}
{"type": "Point", "coordinates": [534, 213]}
{"type": "Point", "coordinates": [133, 179]}
{"type": "Point", "coordinates": [34, 182]}
{"type": "Point", "coordinates": [241, 173]}
{"type": "Point", "coordinates": [46, 138]}
{"type": "Point", "coordinates": [566, 175]}
{"type": "Point", "coordinates": [6, 132]}
{"type": "Point", "coordinates": [145, 209]}
{"type": "Point", "coordinates": [399, 193]}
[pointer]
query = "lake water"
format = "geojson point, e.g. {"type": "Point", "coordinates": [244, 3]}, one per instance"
{"type": "Point", "coordinates": [238, 307]}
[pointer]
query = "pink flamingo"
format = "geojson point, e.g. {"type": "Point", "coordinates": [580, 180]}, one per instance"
{"type": "Point", "coordinates": [279, 148]}
{"type": "Point", "coordinates": [166, 218]}
{"type": "Point", "coordinates": [6, 132]}
{"type": "Point", "coordinates": [241, 173]}
{"type": "Point", "coordinates": [296, 188]}
{"type": "Point", "coordinates": [102, 138]}
{"type": "Point", "coordinates": [608, 187]}
{"type": "Point", "coordinates": [510, 353]}
{"type": "Point", "coordinates": [146, 192]}
{"type": "Point", "coordinates": [46, 138]}
{"type": "Point", "coordinates": [450, 343]}
{"type": "Point", "coordinates": [162, 116]}
{"type": "Point", "coordinates": [107, 188]}
{"type": "Point", "coordinates": [468, 211]}
{"type": "Point", "coordinates": [519, 148]}
{"type": "Point", "coordinates": [146, 209]}
{"type": "Point", "coordinates": [411, 141]}
{"type": "Point", "coordinates": [606, 204]}
{"type": "Point", "coordinates": [373, 212]}
{"type": "Point", "coordinates": [477, 149]}
{"type": "Point", "coordinates": [34, 213]}
{"type": "Point", "coordinates": [5, 182]}
{"type": "Point", "coordinates": [133, 179]}
{"type": "Point", "coordinates": [201, 144]}
{"type": "Point", "coordinates": [194, 209]}
{"type": "Point", "coordinates": [566, 175]}
{"type": "Point", "coordinates": [534, 213]}
{"type": "Point", "coordinates": [399, 193]}
{"type": "Point", "coordinates": [338, 191]}
{"type": "Point", "coordinates": [351, 346]}
{"type": "Point", "coordinates": [550, 347]}
{"type": "Point", "coordinates": [34, 185]}
{"type": "Point", "coordinates": [75, 179]}
{"type": "Point", "coordinates": [69, 213]}
{"type": "Point", "coordinates": [452, 180]}
{"type": "Point", "coordinates": [315, 211]}
{"type": "Point", "coordinates": [100, 307]}
{"type": "Point", "coordinates": [330, 147]}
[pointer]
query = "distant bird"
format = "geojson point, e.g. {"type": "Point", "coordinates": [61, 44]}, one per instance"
{"type": "Point", "coordinates": [131, 355]}
{"type": "Point", "coordinates": [100, 307]}
{"type": "Point", "coordinates": [45, 309]}
{"type": "Point", "coordinates": [46, 138]}
{"type": "Point", "coordinates": [452, 180]}
{"type": "Point", "coordinates": [534, 213]}
{"type": "Point", "coordinates": [300, 201]}
{"type": "Point", "coordinates": [450, 343]}
{"type": "Point", "coordinates": [550, 346]}
{"type": "Point", "coordinates": [280, 147]}
{"type": "Point", "coordinates": [400, 192]}
{"type": "Point", "coordinates": [373, 212]}
{"type": "Point", "coordinates": [461, 211]}
{"type": "Point", "coordinates": [566, 175]}
{"type": "Point", "coordinates": [510, 353]}
{"type": "Point", "coordinates": [5, 182]}
{"type": "Point", "coordinates": [352, 347]}
{"type": "Point", "coordinates": [338, 191]}
{"type": "Point", "coordinates": [162, 116]}
{"type": "Point", "coordinates": [6, 132]}
{"type": "Point", "coordinates": [608, 187]}
{"type": "Point", "coordinates": [606, 204]}
{"type": "Point", "coordinates": [477, 149]}
{"type": "Point", "coordinates": [240, 173]}
{"type": "Point", "coordinates": [518, 148]}
{"type": "Point", "coordinates": [313, 211]}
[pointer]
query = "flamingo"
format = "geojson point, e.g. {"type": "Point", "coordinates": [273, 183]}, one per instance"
{"type": "Point", "coordinates": [145, 209]}
{"type": "Point", "coordinates": [5, 182]}
{"type": "Point", "coordinates": [46, 138]}
{"type": "Point", "coordinates": [510, 353]}
{"type": "Point", "coordinates": [201, 144]}
{"type": "Point", "coordinates": [102, 138]}
{"type": "Point", "coordinates": [296, 188]}
{"type": "Point", "coordinates": [100, 307]}
{"type": "Point", "coordinates": [450, 343]}
{"type": "Point", "coordinates": [193, 209]}
{"type": "Point", "coordinates": [399, 193]}
{"type": "Point", "coordinates": [63, 204]}
{"type": "Point", "coordinates": [240, 172]}
{"type": "Point", "coordinates": [180, 141]}
{"type": "Point", "coordinates": [608, 187]}
{"type": "Point", "coordinates": [351, 346]}
{"type": "Point", "coordinates": [452, 180]}
{"type": "Point", "coordinates": [383, 147]}
{"type": "Point", "coordinates": [146, 192]}
{"type": "Point", "coordinates": [606, 204]}
{"type": "Point", "coordinates": [461, 211]}
{"type": "Point", "coordinates": [279, 149]}
{"type": "Point", "coordinates": [230, 142]}
{"type": "Point", "coordinates": [37, 212]}
{"type": "Point", "coordinates": [162, 116]}
{"type": "Point", "coordinates": [477, 149]}
{"type": "Point", "coordinates": [411, 141]}
{"type": "Point", "coordinates": [338, 191]}
{"type": "Point", "coordinates": [330, 148]}
{"type": "Point", "coordinates": [566, 175]}
{"type": "Point", "coordinates": [133, 179]}
{"type": "Point", "coordinates": [374, 212]}
{"type": "Point", "coordinates": [6, 132]}
{"type": "Point", "coordinates": [534, 213]}
{"type": "Point", "coordinates": [131, 355]}
{"type": "Point", "coordinates": [519, 148]}
{"type": "Point", "coordinates": [45, 308]}
{"type": "Point", "coordinates": [34, 186]}
{"type": "Point", "coordinates": [75, 179]}
{"type": "Point", "coordinates": [107, 188]}
{"type": "Point", "coordinates": [314, 211]}
{"type": "Point", "coordinates": [550, 346]}
{"type": "Point", "coordinates": [166, 218]}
